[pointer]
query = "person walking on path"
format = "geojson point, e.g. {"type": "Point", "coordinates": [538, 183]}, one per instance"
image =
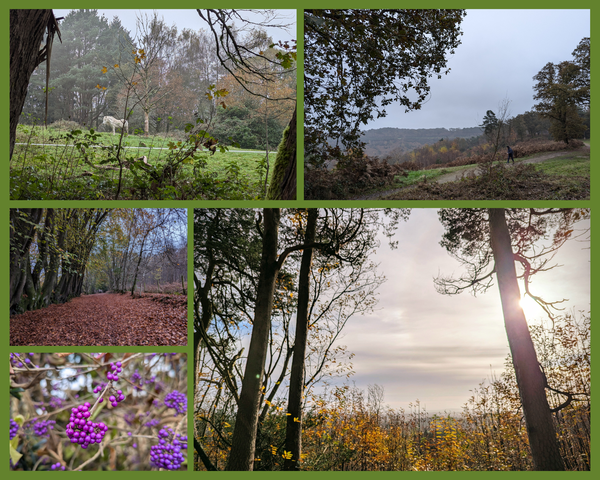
{"type": "Point", "coordinates": [510, 155]}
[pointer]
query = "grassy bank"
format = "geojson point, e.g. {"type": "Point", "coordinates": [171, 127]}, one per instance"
{"type": "Point", "coordinates": [88, 165]}
{"type": "Point", "coordinates": [565, 178]}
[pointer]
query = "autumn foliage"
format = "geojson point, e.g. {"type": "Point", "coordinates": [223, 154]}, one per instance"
{"type": "Point", "coordinates": [348, 430]}
{"type": "Point", "coordinates": [447, 154]}
{"type": "Point", "coordinates": [357, 175]}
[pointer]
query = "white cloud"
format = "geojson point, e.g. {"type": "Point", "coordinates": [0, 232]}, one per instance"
{"type": "Point", "coordinates": [420, 344]}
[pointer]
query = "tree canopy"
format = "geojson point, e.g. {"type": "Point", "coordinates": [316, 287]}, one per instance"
{"type": "Point", "coordinates": [467, 238]}
{"type": "Point", "coordinates": [490, 122]}
{"type": "Point", "coordinates": [359, 61]}
{"type": "Point", "coordinates": [561, 89]}
{"type": "Point", "coordinates": [92, 69]}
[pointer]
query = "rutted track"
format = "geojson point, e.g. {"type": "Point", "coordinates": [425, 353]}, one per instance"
{"type": "Point", "coordinates": [454, 176]}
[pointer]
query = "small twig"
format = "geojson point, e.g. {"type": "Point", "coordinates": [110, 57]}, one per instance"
{"type": "Point", "coordinates": [108, 385]}
{"type": "Point", "coordinates": [94, 457]}
{"type": "Point", "coordinates": [27, 385]}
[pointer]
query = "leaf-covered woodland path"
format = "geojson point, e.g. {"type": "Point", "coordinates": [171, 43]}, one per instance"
{"type": "Point", "coordinates": [105, 319]}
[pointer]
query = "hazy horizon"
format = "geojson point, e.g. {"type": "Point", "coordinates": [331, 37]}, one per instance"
{"type": "Point", "coordinates": [419, 344]}
{"type": "Point", "coordinates": [500, 53]}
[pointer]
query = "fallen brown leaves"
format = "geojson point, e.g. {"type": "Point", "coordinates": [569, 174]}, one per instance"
{"type": "Point", "coordinates": [105, 319]}
{"type": "Point", "coordinates": [355, 177]}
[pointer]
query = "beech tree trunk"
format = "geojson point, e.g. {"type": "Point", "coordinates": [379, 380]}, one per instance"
{"type": "Point", "coordinates": [22, 230]}
{"type": "Point", "coordinates": [530, 378]}
{"type": "Point", "coordinates": [293, 433]}
{"type": "Point", "coordinates": [243, 441]}
{"type": "Point", "coordinates": [27, 29]}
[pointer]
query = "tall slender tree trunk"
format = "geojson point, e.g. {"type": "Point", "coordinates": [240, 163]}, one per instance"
{"type": "Point", "coordinates": [147, 122]}
{"type": "Point", "coordinates": [137, 267]}
{"type": "Point", "coordinates": [293, 433]}
{"type": "Point", "coordinates": [243, 441]}
{"type": "Point", "coordinates": [51, 273]}
{"type": "Point", "coordinates": [206, 314]}
{"type": "Point", "coordinates": [530, 379]}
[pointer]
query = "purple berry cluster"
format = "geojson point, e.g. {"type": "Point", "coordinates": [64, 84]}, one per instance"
{"type": "Point", "coordinates": [115, 370]}
{"type": "Point", "coordinates": [83, 431]}
{"type": "Point", "coordinates": [152, 423]}
{"type": "Point", "coordinates": [168, 453]}
{"type": "Point", "coordinates": [98, 388]}
{"type": "Point", "coordinates": [19, 360]}
{"type": "Point", "coordinates": [43, 427]}
{"type": "Point", "coordinates": [177, 401]}
{"type": "Point", "coordinates": [57, 466]}
{"type": "Point", "coordinates": [14, 428]}
{"type": "Point", "coordinates": [115, 399]}
{"type": "Point", "coordinates": [56, 402]}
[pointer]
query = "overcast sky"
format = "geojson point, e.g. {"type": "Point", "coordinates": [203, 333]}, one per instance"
{"type": "Point", "coordinates": [422, 345]}
{"type": "Point", "coordinates": [190, 19]}
{"type": "Point", "coordinates": [500, 53]}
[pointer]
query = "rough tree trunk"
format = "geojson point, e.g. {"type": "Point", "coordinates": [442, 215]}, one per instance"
{"type": "Point", "coordinates": [22, 223]}
{"type": "Point", "coordinates": [530, 378]}
{"type": "Point", "coordinates": [283, 186]}
{"type": "Point", "coordinates": [146, 123]}
{"type": "Point", "coordinates": [243, 442]}
{"type": "Point", "coordinates": [293, 433]}
{"type": "Point", "coordinates": [27, 29]}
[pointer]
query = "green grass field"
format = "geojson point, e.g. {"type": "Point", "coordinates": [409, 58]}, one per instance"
{"type": "Point", "coordinates": [54, 164]}
{"type": "Point", "coordinates": [570, 166]}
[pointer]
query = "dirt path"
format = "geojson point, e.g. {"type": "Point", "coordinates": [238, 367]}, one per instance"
{"type": "Point", "coordinates": [454, 176]}
{"type": "Point", "coordinates": [105, 319]}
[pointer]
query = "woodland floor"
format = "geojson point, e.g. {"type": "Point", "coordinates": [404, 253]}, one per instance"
{"type": "Point", "coordinates": [105, 319]}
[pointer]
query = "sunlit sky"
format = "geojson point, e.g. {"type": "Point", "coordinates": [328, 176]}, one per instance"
{"type": "Point", "coordinates": [500, 53]}
{"type": "Point", "coordinates": [422, 345]}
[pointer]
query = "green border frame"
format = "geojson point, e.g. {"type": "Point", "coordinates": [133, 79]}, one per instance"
{"type": "Point", "coordinates": [299, 5]}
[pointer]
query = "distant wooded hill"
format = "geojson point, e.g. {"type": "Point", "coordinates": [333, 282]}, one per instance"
{"type": "Point", "coordinates": [381, 141]}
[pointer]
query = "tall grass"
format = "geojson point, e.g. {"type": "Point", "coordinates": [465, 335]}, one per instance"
{"type": "Point", "coordinates": [63, 163]}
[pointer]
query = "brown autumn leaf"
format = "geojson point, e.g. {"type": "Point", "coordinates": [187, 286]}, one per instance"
{"type": "Point", "coordinates": [105, 320]}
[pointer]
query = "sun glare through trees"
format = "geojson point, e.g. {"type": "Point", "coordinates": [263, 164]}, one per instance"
{"type": "Point", "coordinates": [320, 341]}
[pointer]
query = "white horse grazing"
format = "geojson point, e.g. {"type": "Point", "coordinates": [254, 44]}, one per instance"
{"type": "Point", "coordinates": [114, 123]}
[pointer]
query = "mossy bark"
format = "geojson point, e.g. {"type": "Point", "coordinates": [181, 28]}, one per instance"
{"type": "Point", "coordinates": [283, 184]}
